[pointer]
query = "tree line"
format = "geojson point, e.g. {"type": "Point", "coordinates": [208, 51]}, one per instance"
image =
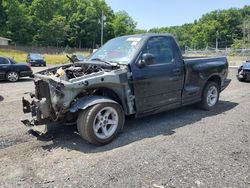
{"type": "Point", "coordinates": [78, 24]}
{"type": "Point", "coordinates": [61, 22]}
{"type": "Point", "coordinates": [224, 25]}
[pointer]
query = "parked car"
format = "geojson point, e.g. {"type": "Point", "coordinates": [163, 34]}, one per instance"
{"type": "Point", "coordinates": [35, 59]}
{"type": "Point", "coordinates": [77, 57]}
{"type": "Point", "coordinates": [11, 70]}
{"type": "Point", "coordinates": [244, 72]}
{"type": "Point", "coordinates": [134, 75]}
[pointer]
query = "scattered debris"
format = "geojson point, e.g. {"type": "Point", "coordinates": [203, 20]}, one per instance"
{"type": "Point", "coordinates": [158, 186]}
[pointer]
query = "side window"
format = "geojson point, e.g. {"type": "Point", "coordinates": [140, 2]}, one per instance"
{"type": "Point", "coordinates": [12, 61]}
{"type": "Point", "coordinates": [3, 61]}
{"type": "Point", "coordinates": [161, 48]}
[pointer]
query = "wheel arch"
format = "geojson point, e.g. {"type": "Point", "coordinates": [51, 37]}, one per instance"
{"type": "Point", "coordinates": [110, 93]}
{"type": "Point", "coordinates": [116, 94]}
{"type": "Point", "coordinates": [213, 78]}
{"type": "Point", "coordinates": [87, 101]}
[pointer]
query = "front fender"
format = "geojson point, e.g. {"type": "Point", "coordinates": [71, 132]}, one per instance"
{"type": "Point", "coordinates": [88, 101]}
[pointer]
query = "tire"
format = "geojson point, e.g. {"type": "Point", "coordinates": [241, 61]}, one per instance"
{"type": "Point", "coordinates": [210, 96]}
{"type": "Point", "coordinates": [93, 123]}
{"type": "Point", "coordinates": [241, 79]}
{"type": "Point", "coordinates": [12, 76]}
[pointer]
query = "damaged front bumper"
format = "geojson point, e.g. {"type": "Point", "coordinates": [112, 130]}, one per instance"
{"type": "Point", "coordinates": [46, 105]}
{"type": "Point", "coordinates": [39, 105]}
{"type": "Point", "coordinates": [34, 110]}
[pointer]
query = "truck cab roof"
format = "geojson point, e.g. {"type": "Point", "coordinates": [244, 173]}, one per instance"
{"type": "Point", "coordinates": [147, 35]}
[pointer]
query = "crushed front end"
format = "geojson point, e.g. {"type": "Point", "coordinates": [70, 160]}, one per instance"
{"type": "Point", "coordinates": [59, 89]}
{"type": "Point", "coordinates": [41, 108]}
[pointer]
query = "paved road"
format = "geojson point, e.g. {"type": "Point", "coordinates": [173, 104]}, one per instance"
{"type": "Point", "coordinates": [187, 147]}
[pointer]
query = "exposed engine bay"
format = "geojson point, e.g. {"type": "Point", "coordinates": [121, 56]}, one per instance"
{"type": "Point", "coordinates": [70, 71]}
{"type": "Point", "coordinates": [63, 90]}
{"type": "Point", "coordinates": [74, 72]}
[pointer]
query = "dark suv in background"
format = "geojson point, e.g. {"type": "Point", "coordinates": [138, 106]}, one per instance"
{"type": "Point", "coordinates": [35, 59]}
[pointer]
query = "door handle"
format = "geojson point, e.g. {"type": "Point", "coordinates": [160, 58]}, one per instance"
{"type": "Point", "coordinates": [177, 72]}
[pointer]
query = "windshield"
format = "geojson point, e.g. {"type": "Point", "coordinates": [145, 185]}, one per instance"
{"type": "Point", "coordinates": [120, 50]}
{"type": "Point", "coordinates": [36, 56]}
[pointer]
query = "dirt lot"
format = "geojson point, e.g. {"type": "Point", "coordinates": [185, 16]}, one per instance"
{"type": "Point", "coordinates": [187, 147]}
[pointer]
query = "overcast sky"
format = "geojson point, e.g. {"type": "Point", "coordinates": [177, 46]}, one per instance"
{"type": "Point", "coordinates": [160, 13]}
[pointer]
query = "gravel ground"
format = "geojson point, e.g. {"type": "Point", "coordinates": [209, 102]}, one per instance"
{"type": "Point", "coordinates": [186, 147]}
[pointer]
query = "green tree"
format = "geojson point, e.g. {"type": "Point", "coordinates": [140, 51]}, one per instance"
{"type": "Point", "coordinates": [237, 44]}
{"type": "Point", "coordinates": [17, 29]}
{"type": "Point", "coordinates": [3, 17]}
{"type": "Point", "coordinates": [225, 25]}
{"type": "Point", "coordinates": [246, 31]}
{"type": "Point", "coordinates": [44, 10]}
{"type": "Point", "coordinates": [54, 33]}
{"type": "Point", "coordinates": [140, 31]}
{"type": "Point", "coordinates": [123, 24]}
{"type": "Point", "coordinates": [226, 22]}
{"type": "Point", "coordinates": [85, 23]}
{"type": "Point", "coordinates": [78, 21]}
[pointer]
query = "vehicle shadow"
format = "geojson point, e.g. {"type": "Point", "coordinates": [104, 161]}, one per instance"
{"type": "Point", "coordinates": [135, 129]}
{"type": "Point", "coordinates": [21, 80]}
{"type": "Point", "coordinates": [1, 98]}
{"type": "Point", "coordinates": [246, 81]}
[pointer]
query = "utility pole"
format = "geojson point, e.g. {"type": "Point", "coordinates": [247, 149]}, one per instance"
{"type": "Point", "coordinates": [217, 33]}
{"type": "Point", "coordinates": [102, 27]}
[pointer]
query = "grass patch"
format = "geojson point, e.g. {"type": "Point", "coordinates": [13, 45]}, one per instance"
{"type": "Point", "coordinates": [20, 56]}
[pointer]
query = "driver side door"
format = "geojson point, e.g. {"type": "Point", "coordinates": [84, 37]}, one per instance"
{"type": "Point", "coordinates": [158, 87]}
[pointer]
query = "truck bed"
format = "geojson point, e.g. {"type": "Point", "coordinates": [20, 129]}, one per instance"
{"type": "Point", "coordinates": [198, 70]}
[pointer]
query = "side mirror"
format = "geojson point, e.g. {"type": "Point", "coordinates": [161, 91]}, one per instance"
{"type": "Point", "coordinates": [147, 59]}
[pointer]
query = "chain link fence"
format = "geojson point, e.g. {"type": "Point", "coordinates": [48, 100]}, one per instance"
{"type": "Point", "coordinates": [235, 56]}
{"type": "Point", "coordinates": [45, 50]}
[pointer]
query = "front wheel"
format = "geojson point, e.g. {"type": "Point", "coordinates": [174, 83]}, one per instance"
{"type": "Point", "coordinates": [12, 76]}
{"type": "Point", "coordinates": [101, 123]}
{"type": "Point", "coordinates": [210, 96]}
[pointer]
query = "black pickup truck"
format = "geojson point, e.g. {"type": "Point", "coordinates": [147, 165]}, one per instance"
{"type": "Point", "coordinates": [134, 75]}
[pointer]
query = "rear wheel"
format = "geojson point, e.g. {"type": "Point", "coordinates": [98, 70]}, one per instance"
{"type": "Point", "coordinates": [210, 96]}
{"type": "Point", "coordinates": [12, 76]}
{"type": "Point", "coordinates": [101, 123]}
